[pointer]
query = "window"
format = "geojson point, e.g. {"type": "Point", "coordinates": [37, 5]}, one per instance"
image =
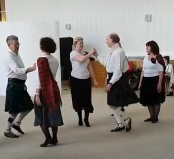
{"type": "Point", "coordinates": [2, 10]}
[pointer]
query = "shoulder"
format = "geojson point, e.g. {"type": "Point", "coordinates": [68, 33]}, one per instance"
{"type": "Point", "coordinates": [73, 52]}
{"type": "Point", "coordinates": [119, 52]}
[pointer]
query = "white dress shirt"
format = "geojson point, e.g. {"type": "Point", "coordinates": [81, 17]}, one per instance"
{"type": "Point", "coordinates": [79, 69]}
{"type": "Point", "coordinates": [15, 67]}
{"type": "Point", "coordinates": [116, 63]}
{"type": "Point", "coordinates": [53, 63]}
{"type": "Point", "coordinates": [169, 70]}
{"type": "Point", "coordinates": [151, 69]}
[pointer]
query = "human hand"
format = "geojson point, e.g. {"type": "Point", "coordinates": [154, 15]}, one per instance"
{"type": "Point", "coordinates": [108, 87]}
{"type": "Point", "coordinates": [139, 86]}
{"type": "Point", "coordinates": [37, 100]}
{"type": "Point", "coordinates": [92, 51]}
{"type": "Point", "coordinates": [95, 84]}
{"type": "Point", "coordinates": [159, 87]}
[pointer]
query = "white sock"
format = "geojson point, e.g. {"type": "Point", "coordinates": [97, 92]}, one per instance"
{"type": "Point", "coordinates": [21, 117]}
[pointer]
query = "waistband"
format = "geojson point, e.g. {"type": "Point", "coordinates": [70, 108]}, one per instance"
{"type": "Point", "coordinates": [16, 81]}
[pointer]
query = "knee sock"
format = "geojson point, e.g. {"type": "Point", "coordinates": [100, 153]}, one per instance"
{"type": "Point", "coordinates": [54, 131]}
{"type": "Point", "coordinates": [151, 111]}
{"type": "Point", "coordinates": [156, 110]}
{"type": "Point", "coordinates": [46, 132]}
{"type": "Point", "coordinates": [22, 115]}
{"type": "Point", "coordinates": [10, 122]}
{"type": "Point", "coordinates": [80, 116]}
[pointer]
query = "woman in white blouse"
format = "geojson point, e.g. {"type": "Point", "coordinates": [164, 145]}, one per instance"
{"type": "Point", "coordinates": [119, 92]}
{"type": "Point", "coordinates": [152, 83]}
{"type": "Point", "coordinates": [82, 77]}
{"type": "Point", "coordinates": [169, 76]}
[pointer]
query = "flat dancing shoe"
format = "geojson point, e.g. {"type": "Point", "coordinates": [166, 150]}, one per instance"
{"type": "Point", "coordinates": [148, 120]}
{"type": "Point", "coordinates": [80, 123]}
{"type": "Point", "coordinates": [117, 129]}
{"type": "Point", "coordinates": [18, 128]}
{"type": "Point", "coordinates": [10, 135]}
{"type": "Point", "coordinates": [155, 121]}
{"type": "Point", "coordinates": [47, 143]}
{"type": "Point", "coordinates": [54, 141]}
{"type": "Point", "coordinates": [87, 123]}
{"type": "Point", "coordinates": [112, 114]}
{"type": "Point", "coordinates": [128, 126]}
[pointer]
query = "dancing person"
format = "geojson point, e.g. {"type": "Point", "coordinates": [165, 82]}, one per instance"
{"type": "Point", "coordinates": [18, 100]}
{"type": "Point", "coordinates": [119, 92]}
{"type": "Point", "coordinates": [152, 81]}
{"type": "Point", "coordinates": [82, 77]}
{"type": "Point", "coordinates": [169, 76]}
{"type": "Point", "coordinates": [47, 99]}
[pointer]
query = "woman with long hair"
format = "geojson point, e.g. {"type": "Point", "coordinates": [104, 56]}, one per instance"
{"type": "Point", "coordinates": [152, 82]}
{"type": "Point", "coordinates": [82, 77]}
{"type": "Point", "coordinates": [47, 99]}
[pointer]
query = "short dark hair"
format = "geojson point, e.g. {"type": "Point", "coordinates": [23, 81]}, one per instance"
{"type": "Point", "coordinates": [167, 58]}
{"type": "Point", "coordinates": [10, 38]}
{"type": "Point", "coordinates": [48, 45]}
{"type": "Point", "coordinates": [154, 47]}
{"type": "Point", "coordinates": [115, 38]}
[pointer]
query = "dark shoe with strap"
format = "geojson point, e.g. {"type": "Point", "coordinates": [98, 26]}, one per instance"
{"type": "Point", "coordinates": [47, 143]}
{"type": "Point", "coordinates": [112, 114]}
{"type": "Point", "coordinates": [18, 128]}
{"type": "Point", "coordinates": [155, 120]}
{"type": "Point", "coordinates": [128, 126]}
{"type": "Point", "coordinates": [87, 123]}
{"type": "Point", "coordinates": [148, 120]}
{"type": "Point", "coordinates": [118, 128]}
{"type": "Point", "coordinates": [80, 123]}
{"type": "Point", "coordinates": [55, 141]}
{"type": "Point", "coordinates": [10, 135]}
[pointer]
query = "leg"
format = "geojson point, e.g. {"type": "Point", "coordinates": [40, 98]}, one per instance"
{"type": "Point", "coordinates": [8, 132]}
{"type": "Point", "coordinates": [86, 119]}
{"type": "Point", "coordinates": [48, 138]}
{"type": "Point", "coordinates": [151, 112]}
{"type": "Point", "coordinates": [54, 131]}
{"type": "Point", "coordinates": [17, 124]}
{"type": "Point", "coordinates": [119, 119]}
{"type": "Point", "coordinates": [80, 118]}
{"type": "Point", "coordinates": [156, 113]}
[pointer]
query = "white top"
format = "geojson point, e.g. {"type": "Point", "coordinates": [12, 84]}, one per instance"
{"type": "Point", "coordinates": [15, 67]}
{"type": "Point", "coordinates": [53, 63]}
{"type": "Point", "coordinates": [169, 70]}
{"type": "Point", "coordinates": [79, 69]}
{"type": "Point", "coordinates": [150, 69]}
{"type": "Point", "coordinates": [116, 63]}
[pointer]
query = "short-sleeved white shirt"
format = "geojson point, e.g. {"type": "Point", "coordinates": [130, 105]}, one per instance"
{"type": "Point", "coordinates": [79, 69]}
{"type": "Point", "coordinates": [151, 69]}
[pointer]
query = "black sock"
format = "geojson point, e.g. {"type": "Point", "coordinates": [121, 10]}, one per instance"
{"type": "Point", "coordinates": [156, 111]}
{"type": "Point", "coordinates": [54, 130]}
{"type": "Point", "coordinates": [80, 116]}
{"type": "Point", "coordinates": [151, 111]}
{"type": "Point", "coordinates": [46, 132]}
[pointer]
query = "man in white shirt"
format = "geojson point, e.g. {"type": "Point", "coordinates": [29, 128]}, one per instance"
{"type": "Point", "coordinates": [17, 97]}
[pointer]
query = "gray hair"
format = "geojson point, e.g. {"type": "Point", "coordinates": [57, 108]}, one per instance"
{"type": "Point", "coordinates": [10, 39]}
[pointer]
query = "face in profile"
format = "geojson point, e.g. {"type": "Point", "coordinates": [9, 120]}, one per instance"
{"type": "Point", "coordinates": [148, 49]}
{"type": "Point", "coordinates": [79, 45]}
{"type": "Point", "coordinates": [109, 41]}
{"type": "Point", "coordinates": [14, 46]}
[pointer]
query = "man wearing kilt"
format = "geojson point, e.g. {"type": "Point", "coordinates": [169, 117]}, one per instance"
{"type": "Point", "coordinates": [17, 97]}
{"type": "Point", "coordinates": [119, 92]}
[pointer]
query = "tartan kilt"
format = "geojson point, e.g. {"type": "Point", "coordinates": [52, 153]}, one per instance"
{"type": "Point", "coordinates": [17, 98]}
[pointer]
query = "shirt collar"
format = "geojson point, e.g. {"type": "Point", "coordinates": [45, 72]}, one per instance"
{"type": "Point", "coordinates": [115, 47]}
{"type": "Point", "coordinates": [11, 52]}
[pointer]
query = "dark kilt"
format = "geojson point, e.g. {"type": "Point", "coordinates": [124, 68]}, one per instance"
{"type": "Point", "coordinates": [45, 117]}
{"type": "Point", "coordinates": [149, 95]}
{"type": "Point", "coordinates": [121, 94]}
{"type": "Point", "coordinates": [81, 94]}
{"type": "Point", "coordinates": [17, 97]}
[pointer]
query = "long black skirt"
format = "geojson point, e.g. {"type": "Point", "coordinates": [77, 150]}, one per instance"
{"type": "Point", "coordinates": [81, 94]}
{"type": "Point", "coordinates": [149, 95]}
{"type": "Point", "coordinates": [17, 98]}
{"type": "Point", "coordinates": [121, 94]}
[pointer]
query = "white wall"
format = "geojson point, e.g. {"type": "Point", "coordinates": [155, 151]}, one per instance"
{"type": "Point", "coordinates": [29, 34]}
{"type": "Point", "coordinates": [94, 19]}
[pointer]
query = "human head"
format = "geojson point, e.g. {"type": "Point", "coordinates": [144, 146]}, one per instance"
{"type": "Point", "coordinates": [112, 39]}
{"type": "Point", "coordinates": [47, 45]}
{"type": "Point", "coordinates": [166, 60]}
{"type": "Point", "coordinates": [152, 48]}
{"type": "Point", "coordinates": [78, 43]}
{"type": "Point", "coordinates": [13, 43]}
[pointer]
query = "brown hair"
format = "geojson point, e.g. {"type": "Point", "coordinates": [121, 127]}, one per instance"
{"type": "Point", "coordinates": [76, 40]}
{"type": "Point", "coordinates": [115, 38]}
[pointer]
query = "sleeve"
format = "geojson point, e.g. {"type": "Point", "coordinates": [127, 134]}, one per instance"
{"type": "Point", "coordinates": [73, 54]}
{"type": "Point", "coordinates": [38, 86]}
{"type": "Point", "coordinates": [117, 71]}
{"type": "Point", "coordinates": [170, 68]}
{"type": "Point", "coordinates": [14, 67]}
{"type": "Point", "coordinates": [101, 60]}
{"type": "Point", "coordinates": [160, 67]}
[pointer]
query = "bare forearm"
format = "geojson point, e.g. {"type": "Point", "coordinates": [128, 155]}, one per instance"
{"type": "Point", "coordinates": [91, 72]}
{"type": "Point", "coordinates": [141, 77]}
{"type": "Point", "coordinates": [161, 75]}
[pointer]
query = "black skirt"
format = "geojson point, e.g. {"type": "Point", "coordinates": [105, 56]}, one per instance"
{"type": "Point", "coordinates": [149, 95]}
{"type": "Point", "coordinates": [81, 94]}
{"type": "Point", "coordinates": [17, 98]}
{"type": "Point", "coordinates": [121, 94]}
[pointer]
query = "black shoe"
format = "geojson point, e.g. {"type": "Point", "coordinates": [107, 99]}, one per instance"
{"type": "Point", "coordinates": [47, 143]}
{"type": "Point", "coordinates": [10, 135]}
{"type": "Point", "coordinates": [112, 114]}
{"type": "Point", "coordinates": [54, 141]}
{"type": "Point", "coordinates": [80, 123]}
{"type": "Point", "coordinates": [148, 120]}
{"type": "Point", "coordinates": [87, 123]}
{"type": "Point", "coordinates": [155, 121]}
{"type": "Point", "coordinates": [17, 128]}
{"type": "Point", "coordinates": [128, 125]}
{"type": "Point", "coordinates": [118, 129]}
